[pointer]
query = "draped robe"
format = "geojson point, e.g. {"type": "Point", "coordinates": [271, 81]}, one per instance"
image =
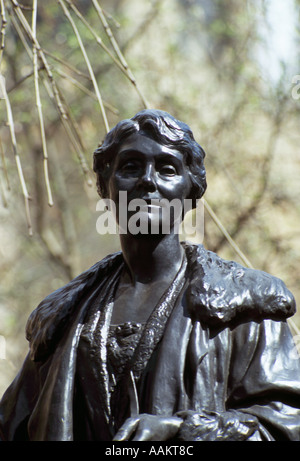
{"type": "Point", "coordinates": [218, 343]}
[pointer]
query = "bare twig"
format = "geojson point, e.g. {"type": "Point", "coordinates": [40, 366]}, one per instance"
{"type": "Point", "coordinates": [61, 247]}
{"type": "Point", "coordinates": [67, 64]}
{"type": "Point", "coordinates": [2, 189]}
{"type": "Point", "coordinates": [2, 192]}
{"type": "Point", "coordinates": [98, 39]}
{"type": "Point", "coordinates": [16, 153]}
{"type": "Point", "coordinates": [109, 33]}
{"type": "Point", "coordinates": [25, 7]}
{"type": "Point", "coordinates": [249, 211]}
{"type": "Point", "coordinates": [121, 64]}
{"type": "Point", "coordinates": [85, 90]}
{"type": "Point", "coordinates": [111, 18]}
{"type": "Point", "coordinates": [20, 81]}
{"type": "Point", "coordinates": [226, 234]}
{"type": "Point", "coordinates": [39, 104]}
{"type": "Point", "coordinates": [117, 50]}
{"type": "Point", "coordinates": [21, 35]}
{"type": "Point", "coordinates": [2, 32]}
{"type": "Point", "coordinates": [90, 69]}
{"type": "Point", "coordinates": [142, 27]}
{"type": "Point", "coordinates": [64, 115]}
{"type": "Point", "coordinates": [4, 165]}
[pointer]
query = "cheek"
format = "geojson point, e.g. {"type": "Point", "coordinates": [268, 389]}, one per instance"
{"type": "Point", "coordinates": [110, 186]}
{"type": "Point", "coordinates": [188, 184]}
{"type": "Point", "coordinates": [117, 184]}
{"type": "Point", "coordinates": [180, 188]}
{"type": "Point", "coordinates": [113, 189]}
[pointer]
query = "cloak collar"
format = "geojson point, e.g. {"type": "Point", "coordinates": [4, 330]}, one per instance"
{"type": "Point", "coordinates": [221, 291]}
{"type": "Point", "coordinates": [218, 292]}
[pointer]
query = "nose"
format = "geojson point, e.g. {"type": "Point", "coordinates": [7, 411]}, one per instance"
{"type": "Point", "coordinates": [147, 180]}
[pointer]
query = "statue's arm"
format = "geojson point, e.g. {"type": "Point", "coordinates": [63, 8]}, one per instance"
{"type": "Point", "coordinates": [18, 402]}
{"type": "Point", "coordinates": [270, 387]}
{"type": "Point", "coordinates": [146, 427]}
{"type": "Point", "coordinates": [263, 390]}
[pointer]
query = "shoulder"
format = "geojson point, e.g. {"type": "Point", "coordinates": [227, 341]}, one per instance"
{"type": "Point", "coordinates": [221, 291]}
{"type": "Point", "coordinates": [51, 316]}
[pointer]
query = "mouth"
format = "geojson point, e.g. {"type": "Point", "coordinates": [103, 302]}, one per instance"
{"type": "Point", "coordinates": [152, 205]}
{"type": "Point", "coordinates": [153, 202]}
{"type": "Point", "coordinates": [146, 204]}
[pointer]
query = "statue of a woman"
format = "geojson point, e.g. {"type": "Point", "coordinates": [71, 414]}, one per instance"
{"type": "Point", "coordinates": [163, 340]}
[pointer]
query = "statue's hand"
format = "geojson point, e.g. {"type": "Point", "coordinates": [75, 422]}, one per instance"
{"type": "Point", "coordinates": [146, 427]}
{"type": "Point", "coordinates": [210, 426]}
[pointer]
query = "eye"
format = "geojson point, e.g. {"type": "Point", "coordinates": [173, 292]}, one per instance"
{"type": "Point", "coordinates": [129, 166]}
{"type": "Point", "coordinates": [167, 170]}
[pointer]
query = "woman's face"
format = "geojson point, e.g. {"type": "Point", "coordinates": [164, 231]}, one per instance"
{"type": "Point", "coordinates": [144, 170]}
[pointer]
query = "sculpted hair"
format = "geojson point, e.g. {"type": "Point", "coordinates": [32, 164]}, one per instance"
{"type": "Point", "coordinates": [163, 128]}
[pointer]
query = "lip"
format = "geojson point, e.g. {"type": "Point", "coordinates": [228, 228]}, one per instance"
{"type": "Point", "coordinates": [154, 206]}
{"type": "Point", "coordinates": [153, 202]}
{"type": "Point", "coordinates": [150, 206]}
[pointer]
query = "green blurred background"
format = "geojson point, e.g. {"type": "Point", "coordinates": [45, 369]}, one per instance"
{"type": "Point", "coordinates": [228, 69]}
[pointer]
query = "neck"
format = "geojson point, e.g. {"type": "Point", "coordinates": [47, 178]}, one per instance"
{"type": "Point", "coordinates": [151, 258]}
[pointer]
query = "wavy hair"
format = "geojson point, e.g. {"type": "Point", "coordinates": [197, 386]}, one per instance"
{"type": "Point", "coordinates": [164, 129]}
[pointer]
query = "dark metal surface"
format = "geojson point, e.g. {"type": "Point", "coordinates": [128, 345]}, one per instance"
{"type": "Point", "coordinates": [164, 340]}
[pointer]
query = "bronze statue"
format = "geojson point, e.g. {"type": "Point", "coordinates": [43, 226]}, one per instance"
{"type": "Point", "coordinates": [163, 340]}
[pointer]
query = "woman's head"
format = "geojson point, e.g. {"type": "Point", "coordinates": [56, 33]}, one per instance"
{"type": "Point", "coordinates": [164, 129]}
